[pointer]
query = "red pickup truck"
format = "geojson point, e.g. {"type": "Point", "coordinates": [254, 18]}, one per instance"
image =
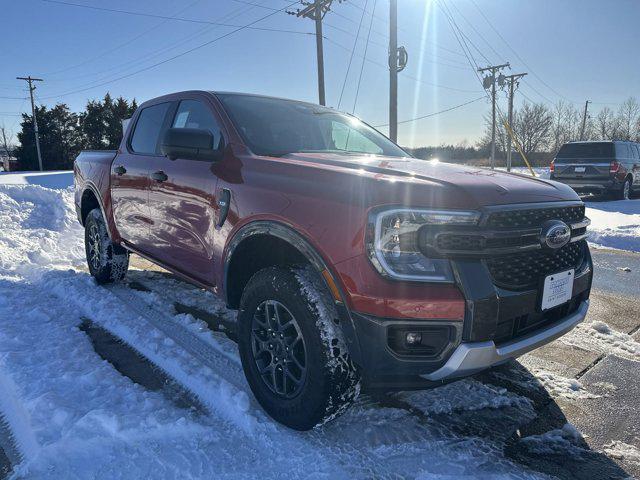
{"type": "Point", "coordinates": [348, 261]}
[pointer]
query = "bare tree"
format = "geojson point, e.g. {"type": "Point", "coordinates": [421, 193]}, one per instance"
{"type": "Point", "coordinates": [5, 141]}
{"type": "Point", "coordinates": [565, 125]}
{"type": "Point", "coordinates": [4, 152]}
{"type": "Point", "coordinates": [628, 119]}
{"type": "Point", "coordinates": [607, 124]}
{"type": "Point", "coordinates": [533, 127]}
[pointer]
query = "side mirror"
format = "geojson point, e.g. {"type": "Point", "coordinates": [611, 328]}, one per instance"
{"type": "Point", "coordinates": [190, 144]}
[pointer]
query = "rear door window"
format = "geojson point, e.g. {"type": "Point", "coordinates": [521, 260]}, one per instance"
{"type": "Point", "coordinates": [146, 134]}
{"type": "Point", "coordinates": [589, 152]}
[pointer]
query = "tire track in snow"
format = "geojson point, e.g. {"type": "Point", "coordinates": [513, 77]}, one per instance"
{"type": "Point", "coordinates": [195, 365]}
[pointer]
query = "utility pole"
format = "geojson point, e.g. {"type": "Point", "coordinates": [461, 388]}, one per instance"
{"type": "Point", "coordinates": [316, 10]}
{"type": "Point", "coordinates": [398, 58]}
{"type": "Point", "coordinates": [584, 119]}
{"type": "Point", "coordinates": [30, 80]}
{"type": "Point", "coordinates": [512, 82]}
{"type": "Point", "coordinates": [490, 82]}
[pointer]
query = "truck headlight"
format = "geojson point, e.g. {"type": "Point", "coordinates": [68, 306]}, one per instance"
{"type": "Point", "coordinates": [392, 242]}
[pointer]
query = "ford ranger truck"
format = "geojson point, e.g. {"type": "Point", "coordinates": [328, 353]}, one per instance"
{"type": "Point", "coordinates": [349, 262]}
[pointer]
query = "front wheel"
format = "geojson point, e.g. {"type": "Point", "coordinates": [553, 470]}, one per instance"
{"type": "Point", "coordinates": [107, 261]}
{"type": "Point", "coordinates": [292, 350]}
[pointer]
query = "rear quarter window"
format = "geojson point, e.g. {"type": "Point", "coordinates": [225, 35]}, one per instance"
{"type": "Point", "coordinates": [147, 130]}
{"type": "Point", "coordinates": [622, 150]}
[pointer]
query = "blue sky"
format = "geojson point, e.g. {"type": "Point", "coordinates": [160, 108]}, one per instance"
{"type": "Point", "coordinates": [573, 50]}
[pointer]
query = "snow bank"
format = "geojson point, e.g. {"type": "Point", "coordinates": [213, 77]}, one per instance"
{"type": "Point", "coordinates": [615, 224]}
{"type": "Point", "coordinates": [53, 179]}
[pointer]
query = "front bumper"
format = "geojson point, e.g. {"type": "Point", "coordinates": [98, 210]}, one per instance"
{"type": "Point", "coordinates": [469, 358]}
{"type": "Point", "coordinates": [499, 324]}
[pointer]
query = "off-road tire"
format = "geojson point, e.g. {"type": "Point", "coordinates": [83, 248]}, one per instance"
{"type": "Point", "coordinates": [107, 261]}
{"type": "Point", "coordinates": [332, 381]}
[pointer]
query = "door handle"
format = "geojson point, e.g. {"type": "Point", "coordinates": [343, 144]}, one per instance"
{"type": "Point", "coordinates": [159, 176]}
{"type": "Point", "coordinates": [120, 170]}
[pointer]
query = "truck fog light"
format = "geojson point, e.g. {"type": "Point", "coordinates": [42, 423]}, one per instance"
{"type": "Point", "coordinates": [413, 338]}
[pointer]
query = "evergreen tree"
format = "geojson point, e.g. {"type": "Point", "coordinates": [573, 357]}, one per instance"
{"type": "Point", "coordinates": [60, 139]}
{"type": "Point", "coordinates": [101, 122]}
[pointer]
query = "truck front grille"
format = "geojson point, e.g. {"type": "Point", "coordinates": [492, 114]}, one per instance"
{"type": "Point", "coordinates": [519, 271]}
{"type": "Point", "coordinates": [534, 217]}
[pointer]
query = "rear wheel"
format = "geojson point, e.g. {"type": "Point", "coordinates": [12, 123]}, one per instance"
{"type": "Point", "coordinates": [625, 192]}
{"type": "Point", "coordinates": [292, 350]}
{"type": "Point", "coordinates": [107, 261]}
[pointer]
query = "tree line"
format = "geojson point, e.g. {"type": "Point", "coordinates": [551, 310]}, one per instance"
{"type": "Point", "coordinates": [63, 133]}
{"type": "Point", "coordinates": [540, 130]}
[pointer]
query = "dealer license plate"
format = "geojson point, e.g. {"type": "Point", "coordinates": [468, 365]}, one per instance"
{"type": "Point", "coordinates": [557, 289]}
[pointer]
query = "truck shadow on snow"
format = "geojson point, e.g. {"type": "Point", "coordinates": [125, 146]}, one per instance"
{"type": "Point", "coordinates": [505, 412]}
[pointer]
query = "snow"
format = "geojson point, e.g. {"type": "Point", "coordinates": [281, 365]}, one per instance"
{"type": "Point", "coordinates": [556, 385]}
{"type": "Point", "coordinates": [73, 415]}
{"type": "Point", "coordinates": [623, 451]}
{"type": "Point", "coordinates": [601, 338]}
{"type": "Point", "coordinates": [561, 441]}
{"type": "Point", "coordinates": [615, 224]}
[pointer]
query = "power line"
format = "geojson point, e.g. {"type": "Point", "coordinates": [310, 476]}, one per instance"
{"type": "Point", "coordinates": [197, 47]}
{"type": "Point", "coordinates": [149, 56]}
{"type": "Point", "coordinates": [460, 40]}
{"type": "Point", "coordinates": [435, 113]}
{"type": "Point", "coordinates": [403, 74]}
{"type": "Point", "coordinates": [123, 44]}
{"type": "Point", "coordinates": [364, 57]}
{"type": "Point", "coordinates": [180, 19]}
{"type": "Point", "coordinates": [353, 51]}
{"type": "Point", "coordinates": [518, 56]}
{"type": "Point", "coordinates": [476, 31]}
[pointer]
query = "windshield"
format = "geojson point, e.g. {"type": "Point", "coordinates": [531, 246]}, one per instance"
{"type": "Point", "coordinates": [586, 152]}
{"type": "Point", "coordinates": [276, 127]}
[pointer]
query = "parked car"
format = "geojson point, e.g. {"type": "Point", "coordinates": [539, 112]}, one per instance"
{"type": "Point", "coordinates": [349, 262]}
{"type": "Point", "coordinates": [599, 167]}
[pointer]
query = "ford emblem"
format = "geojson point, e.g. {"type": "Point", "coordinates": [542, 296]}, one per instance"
{"type": "Point", "coordinates": [555, 234]}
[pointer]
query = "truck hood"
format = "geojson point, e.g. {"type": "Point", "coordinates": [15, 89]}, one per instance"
{"type": "Point", "coordinates": [479, 186]}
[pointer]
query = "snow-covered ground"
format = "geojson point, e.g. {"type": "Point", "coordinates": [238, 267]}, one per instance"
{"type": "Point", "coordinates": [71, 414]}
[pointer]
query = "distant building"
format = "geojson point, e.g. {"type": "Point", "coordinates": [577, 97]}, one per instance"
{"type": "Point", "coordinates": [8, 162]}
